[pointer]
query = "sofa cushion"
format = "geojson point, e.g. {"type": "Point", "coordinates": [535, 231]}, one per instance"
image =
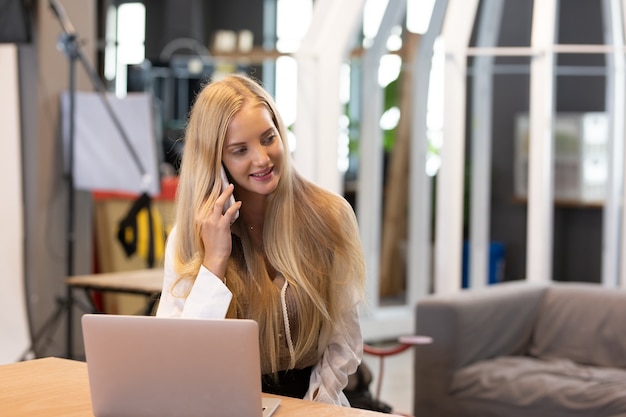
{"type": "Point", "coordinates": [531, 386]}
{"type": "Point", "coordinates": [583, 323]}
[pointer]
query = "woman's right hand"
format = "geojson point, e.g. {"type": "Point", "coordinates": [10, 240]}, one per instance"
{"type": "Point", "coordinates": [215, 231]}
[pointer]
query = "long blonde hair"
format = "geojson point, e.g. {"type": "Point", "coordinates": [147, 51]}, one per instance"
{"type": "Point", "coordinates": [310, 235]}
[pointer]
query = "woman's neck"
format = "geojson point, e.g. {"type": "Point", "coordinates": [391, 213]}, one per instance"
{"type": "Point", "coordinates": [252, 211]}
{"type": "Point", "coordinates": [252, 215]}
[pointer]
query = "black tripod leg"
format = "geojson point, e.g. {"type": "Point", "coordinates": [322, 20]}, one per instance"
{"type": "Point", "coordinates": [48, 327]}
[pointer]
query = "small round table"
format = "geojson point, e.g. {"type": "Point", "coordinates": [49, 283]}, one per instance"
{"type": "Point", "coordinates": [404, 342]}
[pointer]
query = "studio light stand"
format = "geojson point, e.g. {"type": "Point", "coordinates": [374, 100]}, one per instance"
{"type": "Point", "coordinates": [69, 44]}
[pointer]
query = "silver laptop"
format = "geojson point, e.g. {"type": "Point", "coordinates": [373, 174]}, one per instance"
{"type": "Point", "coordinates": [146, 366]}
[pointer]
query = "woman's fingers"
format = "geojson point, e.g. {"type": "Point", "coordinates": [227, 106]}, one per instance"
{"type": "Point", "coordinates": [224, 208]}
{"type": "Point", "coordinates": [233, 212]}
{"type": "Point", "coordinates": [227, 205]}
{"type": "Point", "coordinates": [214, 221]}
{"type": "Point", "coordinates": [223, 199]}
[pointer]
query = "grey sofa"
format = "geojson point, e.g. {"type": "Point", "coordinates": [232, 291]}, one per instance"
{"type": "Point", "coordinates": [522, 349]}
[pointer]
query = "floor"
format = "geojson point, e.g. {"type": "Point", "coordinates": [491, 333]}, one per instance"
{"type": "Point", "coordinates": [397, 381]}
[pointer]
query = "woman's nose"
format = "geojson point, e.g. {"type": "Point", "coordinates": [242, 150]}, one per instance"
{"type": "Point", "coordinates": [261, 156]}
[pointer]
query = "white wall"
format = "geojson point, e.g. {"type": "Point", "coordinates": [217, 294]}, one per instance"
{"type": "Point", "coordinates": [14, 335]}
{"type": "Point", "coordinates": [44, 72]}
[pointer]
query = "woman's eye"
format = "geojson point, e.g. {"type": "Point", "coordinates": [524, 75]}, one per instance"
{"type": "Point", "coordinates": [270, 139]}
{"type": "Point", "coordinates": [239, 151]}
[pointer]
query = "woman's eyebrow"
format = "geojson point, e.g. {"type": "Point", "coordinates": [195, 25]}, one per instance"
{"type": "Point", "coordinates": [235, 144]}
{"type": "Point", "coordinates": [242, 142]}
{"type": "Point", "coordinates": [270, 130]}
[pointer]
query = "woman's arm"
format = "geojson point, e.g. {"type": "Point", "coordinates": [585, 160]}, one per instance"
{"type": "Point", "coordinates": [341, 342]}
{"type": "Point", "coordinates": [207, 297]}
{"type": "Point", "coordinates": [342, 346]}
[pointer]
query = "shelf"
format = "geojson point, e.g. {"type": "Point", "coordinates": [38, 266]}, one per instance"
{"type": "Point", "coordinates": [561, 203]}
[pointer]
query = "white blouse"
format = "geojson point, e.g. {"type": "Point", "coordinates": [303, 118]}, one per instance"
{"type": "Point", "coordinates": [340, 345]}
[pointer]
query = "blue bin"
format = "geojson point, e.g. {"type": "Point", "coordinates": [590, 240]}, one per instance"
{"type": "Point", "coordinates": [496, 263]}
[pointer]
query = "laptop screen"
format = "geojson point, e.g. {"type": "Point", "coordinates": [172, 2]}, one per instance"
{"type": "Point", "coordinates": [154, 366]}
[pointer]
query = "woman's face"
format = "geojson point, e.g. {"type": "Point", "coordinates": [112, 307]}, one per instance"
{"type": "Point", "coordinates": [253, 151]}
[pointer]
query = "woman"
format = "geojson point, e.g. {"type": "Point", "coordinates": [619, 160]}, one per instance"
{"type": "Point", "coordinates": [286, 254]}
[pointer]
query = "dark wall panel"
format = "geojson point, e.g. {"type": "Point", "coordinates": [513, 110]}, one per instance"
{"type": "Point", "coordinates": [15, 21]}
{"type": "Point", "coordinates": [577, 230]}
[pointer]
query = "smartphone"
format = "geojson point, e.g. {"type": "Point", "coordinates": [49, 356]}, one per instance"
{"type": "Point", "coordinates": [231, 200]}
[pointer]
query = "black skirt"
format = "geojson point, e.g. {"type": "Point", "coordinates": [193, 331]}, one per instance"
{"type": "Point", "coordinates": [292, 383]}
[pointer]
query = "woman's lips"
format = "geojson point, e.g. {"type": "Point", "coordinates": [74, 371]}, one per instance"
{"type": "Point", "coordinates": [262, 176]}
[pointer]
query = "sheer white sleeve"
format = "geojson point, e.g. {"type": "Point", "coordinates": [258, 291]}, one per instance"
{"type": "Point", "coordinates": [342, 355]}
{"type": "Point", "coordinates": [207, 297]}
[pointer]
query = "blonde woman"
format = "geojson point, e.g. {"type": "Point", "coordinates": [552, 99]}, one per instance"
{"type": "Point", "coordinates": [286, 254]}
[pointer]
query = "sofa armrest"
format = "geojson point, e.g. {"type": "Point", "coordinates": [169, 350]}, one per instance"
{"type": "Point", "coordinates": [469, 326]}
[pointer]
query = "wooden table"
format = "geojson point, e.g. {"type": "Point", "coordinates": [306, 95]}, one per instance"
{"type": "Point", "coordinates": [53, 387]}
{"type": "Point", "coordinates": [146, 282]}
{"type": "Point", "coordinates": [143, 281]}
